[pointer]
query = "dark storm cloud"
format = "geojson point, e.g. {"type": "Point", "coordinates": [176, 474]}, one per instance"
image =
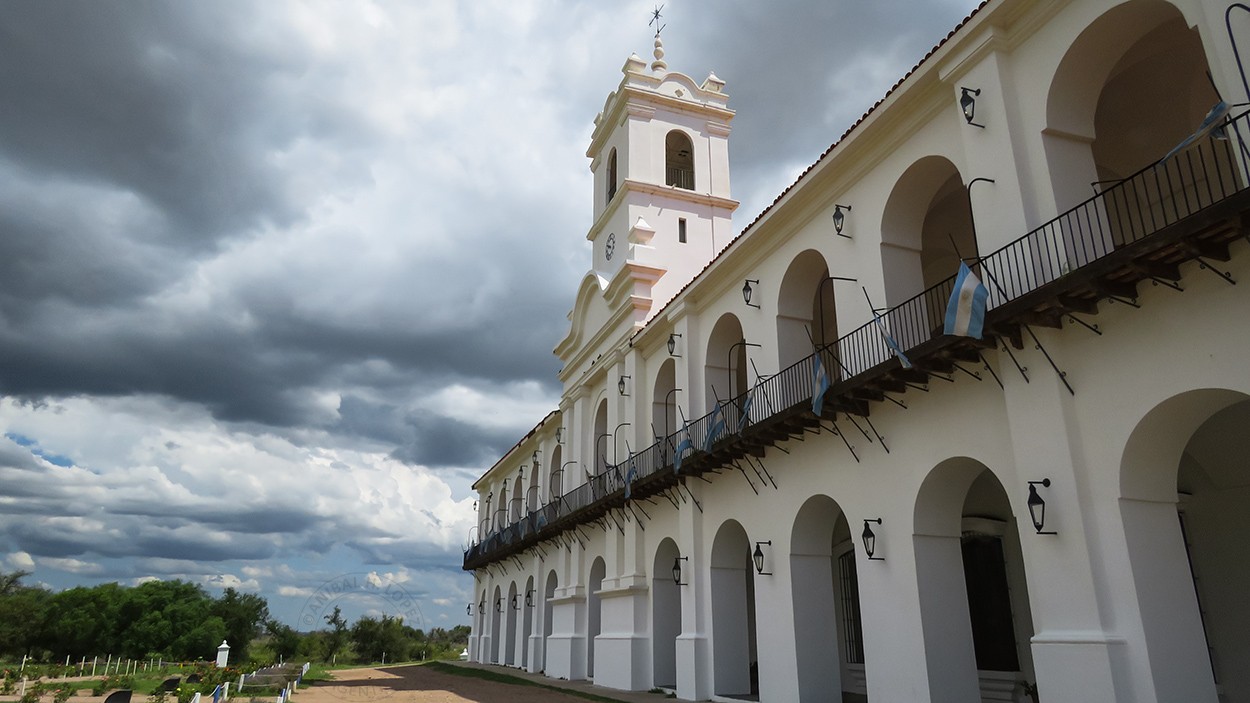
{"type": "Point", "coordinates": [141, 139]}
{"type": "Point", "coordinates": [161, 100]}
{"type": "Point", "coordinates": [799, 73]}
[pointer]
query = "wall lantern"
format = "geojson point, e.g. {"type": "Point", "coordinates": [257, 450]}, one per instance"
{"type": "Point", "coordinates": [513, 602]}
{"type": "Point", "coordinates": [677, 570]}
{"type": "Point", "coordinates": [481, 605]}
{"type": "Point", "coordinates": [535, 457]}
{"type": "Point", "coordinates": [870, 540]}
{"type": "Point", "coordinates": [968, 103]}
{"type": "Point", "coordinates": [672, 343]}
{"type": "Point", "coordinates": [839, 219]}
{"type": "Point", "coordinates": [746, 291]}
{"type": "Point", "coordinates": [620, 385]}
{"type": "Point", "coordinates": [529, 598]}
{"type": "Point", "coordinates": [499, 605]}
{"type": "Point", "coordinates": [468, 609]}
{"type": "Point", "coordinates": [758, 556]}
{"type": "Point", "coordinates": [559, 435]}
{"type": "Point", "coordinates": [1037, 506]}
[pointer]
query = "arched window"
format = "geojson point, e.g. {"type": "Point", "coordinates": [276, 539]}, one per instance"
{"type": "Point", "coordinates": [678, 160]}
{"type": "Point", "coordinates": [611, 176]}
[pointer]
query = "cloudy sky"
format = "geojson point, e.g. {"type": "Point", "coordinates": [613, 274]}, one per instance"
{"type": "Point", "coordinates": [279, 280]}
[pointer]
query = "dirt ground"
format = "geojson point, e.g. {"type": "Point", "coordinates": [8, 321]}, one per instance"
{"type": "Point", "coordinates": [419, 684]}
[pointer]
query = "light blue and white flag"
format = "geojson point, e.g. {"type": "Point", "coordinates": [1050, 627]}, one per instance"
{"type": "Point", "coordinates": [746, 411]}
{"type": "Point", "coordinates": [630, 475]}
{"type": "Point", "coordinates": [716, 427]}
{"type": "Point", "coordinates": [965, 313]}
{"type": "Point", "coordinates": [683, 446]}
{"type": "Point", "coordinates": [1211, 123]}
{"type": "Point", "coordinates": [891, 342]}
{"type": "Point", "coordinates": [820, 384]}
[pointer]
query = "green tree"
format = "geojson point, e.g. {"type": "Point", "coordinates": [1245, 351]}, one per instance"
{"type": "Point", "coordinates": [282, 638]}
{"type": "Point", "coordinates": [338, 634]}
{"type": "Point", "coordinates": [385, 636]}
{"type": "Point", "coordinates": [244, 614]}
{"type": "Point", "coordinates": [23, 613]}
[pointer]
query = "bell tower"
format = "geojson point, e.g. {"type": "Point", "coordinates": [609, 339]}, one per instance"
{"type": "Point", "coordinates": [660, 158]}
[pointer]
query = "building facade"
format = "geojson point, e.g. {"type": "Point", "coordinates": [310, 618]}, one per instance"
{"type": "Point", "coordinates": [774, 475]}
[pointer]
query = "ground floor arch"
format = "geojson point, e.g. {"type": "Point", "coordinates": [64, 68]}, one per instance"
{"type": "Point", "coordinates": [510, 631]}
{"type": "Point", "coordinates": [734, 654]}
{"type": "Point", "coordinates": [495, 621]}
{"type": "Point", "coordinates": [549, 593]}
{"type": "Point", "coordinates": [974, 605]}
{"type": "Point", "coordinates": [527, 624]}
{"type": "Point", "coordinates": [1185, 484]}
{"type": "Point", "coordinates": [594, 611]}
{"type": "Point", "coordinates": [828, 635]}
{"type": "Point", "coordinates": [665, 614]}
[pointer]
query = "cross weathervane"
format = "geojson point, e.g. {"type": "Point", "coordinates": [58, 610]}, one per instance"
{"type": "Point", "coordinates": [655, 20]}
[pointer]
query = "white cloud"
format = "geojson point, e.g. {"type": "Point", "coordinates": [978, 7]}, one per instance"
{"type": "Point", "coordinates": [20, 561]}
{"type": "Point", "coordinates": [73, 566]}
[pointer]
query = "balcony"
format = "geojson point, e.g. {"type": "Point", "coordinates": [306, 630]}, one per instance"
{"type": "Point", "coordinates": [1186, 208]}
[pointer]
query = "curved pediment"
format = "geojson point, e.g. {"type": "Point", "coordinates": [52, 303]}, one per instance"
{"type": "Point", "coordinates": [589, 313]}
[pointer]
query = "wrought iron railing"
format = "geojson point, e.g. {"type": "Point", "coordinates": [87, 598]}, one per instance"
{"type": "Point", "coordinates": [1127, 212]}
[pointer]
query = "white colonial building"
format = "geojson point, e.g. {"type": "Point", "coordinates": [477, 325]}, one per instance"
{"type": "Point", "coordinates": [1059, 511]}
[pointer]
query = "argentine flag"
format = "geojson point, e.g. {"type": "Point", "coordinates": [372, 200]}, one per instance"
{"type": "Point", "coordinates": [965, 313]}
{"type": "Point", "coordinates": [745, 417]}
{"type": "Point", "coordinates": [1212, 123]}
{"type": "Point", "coordinates": [629, 478]}
{"type": "Point", "coordinates": [820, 384]}
{"type": "Point", "coordinates": [716, 426]}
{"type": "Point", "coordinates": [683, 446]}
{"type": "Point", "coordinates": [891, 342]}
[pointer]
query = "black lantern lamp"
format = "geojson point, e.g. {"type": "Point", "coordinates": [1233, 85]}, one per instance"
{"type": "Point", "coordinates": [481, 605]}
{"type": "Point", "coordinates": [529, 598]}
{"type": "Point", "coordinates": [870, 540]}
{"type": "Point", "coordinates": [1037, 507]}
{"type": "Point", "coordinates": [758, 557]}
{"type": "Point", "coordinates": [672, 343]}
{"type": "Point", "coordinates": [968, 103]}
{"type": "Point", "coordinates": [559, 435]}
{"type": "Point", "coordinates": [468, 609]}
{"type": "Point", "coordinates": [677, 570]}
{"type": "Point", "coordinates": [746, 291]}
{"type": "Point", "coordinates": [514, 603]}
{"type": "Point", "coordinates": [620, 385]}
{"type": "Point", "coordinates": [839, 219]}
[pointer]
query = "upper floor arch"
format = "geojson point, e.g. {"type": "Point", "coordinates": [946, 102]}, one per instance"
{"type": "Point", "coordinates": [725, 363]}
{"type": "Point", "coordinates": [806, 309]}
{"type": "Point", "coordinates": [926, 229]}
{"type": "Point", "coordinates": [1136, 59]}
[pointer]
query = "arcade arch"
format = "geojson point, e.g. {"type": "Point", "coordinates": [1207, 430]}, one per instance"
{"type": "Point", "coordinates": [1184, 486]}
{"type": "Point", "coordinates": [734, 651]}
{"type": "Point", "coordinates": [665, 615]}
{"type": "Point", "coordinates": [974, 603]}
{"type": "Point", "coordinates": [594, 612]}
{"type": "Point", "coordinates": [828, 633]}
{"type": "Point", "coordinates": [806, 310]}
{"type": "Point", "coordinates": [926, 229]}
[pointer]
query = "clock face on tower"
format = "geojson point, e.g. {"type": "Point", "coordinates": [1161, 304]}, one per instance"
{"type": "Point", "coordinates": [609, 246]}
